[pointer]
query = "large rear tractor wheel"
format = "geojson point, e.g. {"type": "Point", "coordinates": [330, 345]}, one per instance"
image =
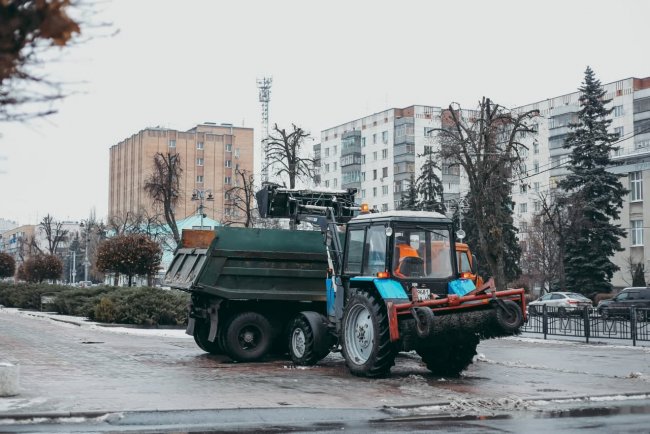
{"type": "Point", "coordinates": [365, 342]}
{"type": "Point", "coordinates": [247, 337]}
{"type": "Point", "coordinates": [302, 343]}
{"type": "Point", "coordinates": [201, 332]}
{"type": "Point", "coordinates": [451, 357]}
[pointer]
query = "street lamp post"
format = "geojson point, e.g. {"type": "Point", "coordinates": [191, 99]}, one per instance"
{"type": "Point", "coordinates": [86, 262]}
{"type": "Point", "coordinates": [200, 195]}
{"type": "Point", "coordinates": [461, 205]}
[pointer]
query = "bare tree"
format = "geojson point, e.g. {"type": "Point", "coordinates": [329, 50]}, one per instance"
{"type": "Point", "coordinates": [486, 143]}
{"type": "Point", "coordinates": [284, 154]}
{"type": "Point", "coordinates": [242, 197]}
{"type": "Point", "coordinates": [144, 223]}
{"type": "Point", "coordinates": [163, 186]}
{"type": "Point", "coordinates": [28, 29]}
{"type": "Point", "coordinates": [542, 259]}
{"type": "Point", "coordinates": [54, 233]}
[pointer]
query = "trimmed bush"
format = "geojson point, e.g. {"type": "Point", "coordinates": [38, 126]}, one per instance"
{"type": "Point", "coordinates": [139, 306]}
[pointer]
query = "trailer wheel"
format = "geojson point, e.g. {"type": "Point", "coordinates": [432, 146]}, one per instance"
{"type": "Point", "coordinates": [365, 342]}
{"type": "Point", "coordinates": [509, 316]}
{"type": "Point", "coordinates": [201, 331]}
{"type": "Point", "coordinates": [302, 343]}
{"type": "Point", "coordinates": [452, 356]}
{"type": "Point", "coordinates": [248, 337]}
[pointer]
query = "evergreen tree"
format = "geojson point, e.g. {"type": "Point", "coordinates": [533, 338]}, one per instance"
{"type": "Point", "coordinates": [410, 197]}
{"type": "Point", "coordinates": [429, 185]}
{"type": "Point", "coordinates": [595, 193]}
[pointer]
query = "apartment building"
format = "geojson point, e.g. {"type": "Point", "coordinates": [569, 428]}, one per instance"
{"type": "Point", "coordinates": [209, 153]}
{"type": "Point", "coordinates": [378, 153]}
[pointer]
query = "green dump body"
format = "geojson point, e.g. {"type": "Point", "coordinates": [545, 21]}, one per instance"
{"type": "Point", "coordinates": [253, 264]}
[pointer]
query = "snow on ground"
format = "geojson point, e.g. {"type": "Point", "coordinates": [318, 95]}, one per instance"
{"type": "Point", "coordinates": [75, 321]}
{"type": "Point", "coordinates": [577, 343]}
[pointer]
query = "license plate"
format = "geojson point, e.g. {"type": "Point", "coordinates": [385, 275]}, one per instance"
{"type": "Point", "coordinates": [424, 294]}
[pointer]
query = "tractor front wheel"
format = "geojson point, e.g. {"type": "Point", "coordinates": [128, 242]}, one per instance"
{"type": "Point", "coordinates": [365, 342]}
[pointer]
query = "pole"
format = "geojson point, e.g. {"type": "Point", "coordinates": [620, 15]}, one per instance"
{"type": "Point", "coordinates": [74, 267]}
{"type": "Point", "coordinates": [86, 262]}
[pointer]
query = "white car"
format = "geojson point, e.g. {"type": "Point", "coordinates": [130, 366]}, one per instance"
{"type": "Point", "coordinates": [561, 302]}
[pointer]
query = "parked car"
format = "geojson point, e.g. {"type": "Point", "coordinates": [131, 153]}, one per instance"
{"type": "Point", "coordinates": [637, 297]}
{"type": "Point", "coordinates": [561, 302]}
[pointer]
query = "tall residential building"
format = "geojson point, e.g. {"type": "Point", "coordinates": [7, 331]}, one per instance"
{"type": "Point", "coordinates": [209, 153]}
{"type": "Point", "coordinates": [378, 153]}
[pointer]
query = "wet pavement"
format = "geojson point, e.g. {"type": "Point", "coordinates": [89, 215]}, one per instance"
{"type": "Point", "coordinates": [76, 370]}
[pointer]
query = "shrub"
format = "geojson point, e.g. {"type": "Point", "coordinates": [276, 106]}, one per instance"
{"type": "Point", "coordinates": [105, 310]}
{"type": "Point", "coordinates": [7, 265]}
{"type": "Point", "coordinates": [26, 295]}
{"type": "Point", "coordinates": [40, 267]}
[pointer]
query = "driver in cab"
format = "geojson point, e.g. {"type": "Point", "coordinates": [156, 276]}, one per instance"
{"type": "Point", "coordinates": [405, 251]}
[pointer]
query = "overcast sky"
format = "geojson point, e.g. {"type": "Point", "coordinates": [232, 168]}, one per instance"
{"type": "Point", "coordinates": [176, 64]}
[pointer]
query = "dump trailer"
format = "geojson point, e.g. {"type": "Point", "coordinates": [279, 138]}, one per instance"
{"type": "Point", "coordinates": [343, 288]}
{"type": "Point", "coordinates": [246, 286]}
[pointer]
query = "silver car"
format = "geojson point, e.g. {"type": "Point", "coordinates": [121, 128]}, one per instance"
{"type": "Point", "coordinates": [562, 302]}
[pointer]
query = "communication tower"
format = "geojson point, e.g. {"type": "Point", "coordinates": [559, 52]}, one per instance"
{"type": "Point", "coordinates": [264, 86]}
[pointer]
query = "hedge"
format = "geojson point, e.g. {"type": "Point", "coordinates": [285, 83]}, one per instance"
{"type": "Point", "coordinates": [108, 304]}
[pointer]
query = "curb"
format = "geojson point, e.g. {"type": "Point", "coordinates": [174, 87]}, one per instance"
{"type": "Point", "coordinates": [54, 415]}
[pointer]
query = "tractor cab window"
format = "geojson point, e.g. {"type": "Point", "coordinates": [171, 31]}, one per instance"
{"type": "Point", "coordinates": [463, 263]}
{"type": "Point", "coordinates": [421, 252]}
{"type": "Point", "coordinates": [375, 254]}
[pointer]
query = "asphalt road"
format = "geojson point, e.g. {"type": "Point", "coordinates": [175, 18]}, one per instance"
{"type": "Point", "coordinates": [97, 377]}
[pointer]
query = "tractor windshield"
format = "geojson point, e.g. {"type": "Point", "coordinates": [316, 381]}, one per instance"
{"type": "Point", "coordinates": [423, 253]}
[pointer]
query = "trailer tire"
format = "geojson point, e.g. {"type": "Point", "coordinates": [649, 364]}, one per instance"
{"type": "Point", "coordinates": [248, 337]}
{"type": "Point", "coordinates": [304, 342]}
{"type": "Point", "coordinates": [509, 316]}
{"type": "Point", "coordinates": [365, 336]}
{"type": "Point", "coordinates": [452, 356]}
{"type": "Point", "coordinates": [201, 331]}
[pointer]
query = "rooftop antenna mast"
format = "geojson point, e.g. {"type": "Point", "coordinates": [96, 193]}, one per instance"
{"type": "Point", "coordinates": [264, 86]}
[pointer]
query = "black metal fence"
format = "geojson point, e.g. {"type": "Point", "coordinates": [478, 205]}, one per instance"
{"type": "Point", "coordinates": [629, 324]}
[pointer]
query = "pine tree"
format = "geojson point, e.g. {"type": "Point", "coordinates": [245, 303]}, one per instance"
{"type": "Point", "coordinates": [595, 193]}
{"type": "Point", "coordinates": [429, 185]}
{"type": "Point", "coordinates": [410, 197]}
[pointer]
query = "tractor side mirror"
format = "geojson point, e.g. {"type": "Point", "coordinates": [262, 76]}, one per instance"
{"type": "Point", "coordinates": [474, 264]}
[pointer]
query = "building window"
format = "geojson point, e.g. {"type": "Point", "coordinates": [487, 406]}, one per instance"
{"type": "Point", "coordinates": [237, 153]}
{"type": "Point", "coordinates": [619, 131]}
{"type": "Point", "coordinates": [374, 191]}
{"type": "Point", "coordinates": [199, 161]}
{"type": "Point", "coordinates": [336, 182]}
{"type": "Point", "coordinates": [384, 172]}
{"type": "Point", "coordinates": [374, 139]}
{"type": "Point", "coordinates": [227, 180]}
{"type": "Point", "coordinates": [199, 145]}
{"type": "Point", "coordinates": [172, 143]}
{"type": "Point", "coordinates": [199, 179]}
{"type": "Point", "coordinates": [327, 183]}
{"type": "Point", "coordinates": [334, 150]}
{"type": "Point", "coordinates": [384, 190]}
{"type": "Point", "coordinates": [536, 187]}
{"type": "Point", "coordinates": [523, 207]}
{"type": "Point", "coordinates": [618, 111]}
{"type": "Point", "coordinates": [363, 159]}
{"type": "Point", "coordinates": [335, 166]}
{"type": "Point", "coordinates": [637, 232]}
{"type": "Point", "coordinates": [363, 142]}
{"type": "Point", "coordinates": [374, 156]}
{"type": "Point", "coordinates": [523, 227]}
{"type": "Point", "coordinates": [523, 188]}
{"type": "Point", "coordinates": [374, 174]}
{"type": "Point", "coordinates": [363, 194]}
{"type": "Point", "coordinates": [636, 187]}
{"type": "Point", "coordinates": [327, 152]}
{"type": "Point", "coordinates": [384, 207]}
{"type": "Point", "coordinates": [537, 206]}
{"type": "Point", "coordinates": [536, 166]}
{"type": "Point", "coordinates": [535, 148]}
{"type": "Point", "coordinates": [384, 137]}
{"type": "Point", "coordinates": [384, 154]}
{"type": "Point", "coordinates": [228, 163]}
{"type": "Point", "coordinates": [228, 147]}
{"type": "Point", "coordinates": [363, 176]}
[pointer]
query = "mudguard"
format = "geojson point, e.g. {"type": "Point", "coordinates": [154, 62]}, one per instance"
{"type": "Point", "coordinates": [387, 288]}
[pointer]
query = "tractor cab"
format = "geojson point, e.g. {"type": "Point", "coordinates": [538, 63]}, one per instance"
{"type": "Point", "coordinates": [415, 249]}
